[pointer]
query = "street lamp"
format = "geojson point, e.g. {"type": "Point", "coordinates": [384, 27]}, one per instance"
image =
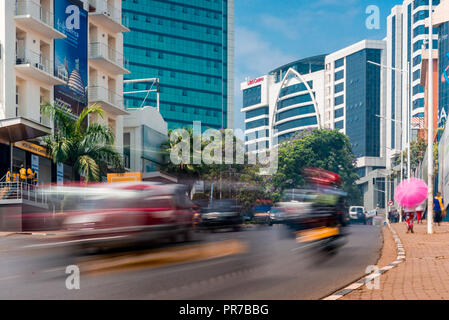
{"type": "Point", "coordinates": [430, 131]}
{"type": "Point", "coordinates": [408, 113]}
{"type": "Point", "coordinates": [402, 155]}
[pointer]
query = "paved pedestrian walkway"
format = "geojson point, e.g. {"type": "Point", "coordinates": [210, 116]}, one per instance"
{"type": "Point", "coordinates": [424, 273]}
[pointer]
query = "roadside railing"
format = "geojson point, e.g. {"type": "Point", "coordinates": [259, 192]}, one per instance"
{"type": "Point", "coordinates": [21, 191]}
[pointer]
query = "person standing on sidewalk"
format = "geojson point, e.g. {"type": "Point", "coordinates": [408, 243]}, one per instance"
{"type": "Point", "coordinates": [419, 212]}
{"type": "Point", "coordinates": [410, 215]}
{"type": "Point", "coordinates": [438, 207]}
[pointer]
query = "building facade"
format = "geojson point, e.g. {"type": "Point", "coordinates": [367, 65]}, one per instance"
{"type": "Point", "coordinates": [44, 58]}
{"type": "Point", "coordinates": [407, 37]}
{"type": "Point", "coordinates": [287, 100]}
{"type": "Point", "coordinates": [189, 47]}
{"type": "Point", "coordinates": [354, 103]}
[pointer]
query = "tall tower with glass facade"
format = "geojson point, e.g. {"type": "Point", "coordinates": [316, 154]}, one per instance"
{"type": "Point", "coordinates": [189, 46]}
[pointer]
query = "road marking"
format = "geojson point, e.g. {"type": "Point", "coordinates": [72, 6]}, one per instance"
{"type": "Point", "coordinates": [357, 284]}
{"type": "Point", "coordinates": [171, 256]}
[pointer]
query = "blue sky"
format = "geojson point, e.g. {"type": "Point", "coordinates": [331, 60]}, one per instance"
{"type": "Point", "coordinates": [271, 33]}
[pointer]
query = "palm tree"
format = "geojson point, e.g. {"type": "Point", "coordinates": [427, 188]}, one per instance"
{"type": "Point", "coordinates": [88, 148]}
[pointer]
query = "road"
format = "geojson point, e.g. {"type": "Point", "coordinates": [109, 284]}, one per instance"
{"type": "Point", "coordinates": [271, 268]}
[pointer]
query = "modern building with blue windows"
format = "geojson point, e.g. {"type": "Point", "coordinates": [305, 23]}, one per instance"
{"type": "Point", "coordinates": [407, 36]}
{"type": "Point", "coordinates": [354, 99]}
{"type": "Point", "coordinates": [189, 46]}
{"type": "Point", "coordinates": [287, 100]}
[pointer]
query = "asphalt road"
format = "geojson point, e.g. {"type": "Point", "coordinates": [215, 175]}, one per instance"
{"type": "Point", "coordinates": [272, 268]}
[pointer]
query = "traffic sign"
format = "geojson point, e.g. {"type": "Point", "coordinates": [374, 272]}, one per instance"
{"type": "Point", "coordinates": [390, 203]}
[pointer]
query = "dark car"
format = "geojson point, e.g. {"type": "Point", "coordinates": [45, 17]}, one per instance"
{"type": "Point", "coordinates": [221, 215]}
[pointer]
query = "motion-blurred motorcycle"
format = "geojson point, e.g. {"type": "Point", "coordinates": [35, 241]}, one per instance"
{"type": "Point", "coordinates": [316, 216]}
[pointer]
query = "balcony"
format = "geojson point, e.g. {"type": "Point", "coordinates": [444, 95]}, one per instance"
{"type": "Point", "coordinates": [110, 101]}
{"type": "Point", "coordinates": [30, 15]}
{"type": "Point", "coordinates": [105, 57]}
{"type": "Point", "coordinates": [100, 12]}
{"type": "Point", "coordinates": [37, 66]}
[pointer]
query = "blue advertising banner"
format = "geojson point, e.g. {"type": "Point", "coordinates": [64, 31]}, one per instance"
{"type": "Point", "coordinates": [71, 62]}
{"type": "Point", "coordinates": [59, 173]}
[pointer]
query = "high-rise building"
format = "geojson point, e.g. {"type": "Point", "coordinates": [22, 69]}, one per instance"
{"type": "Point", "coordinates": [407, 37]}
{"type": "Point", "coordinates": [189, 47]}
{"type": "Point", "coordinates": [354, 102]}
{"type": "Point", "coordinates": [46, 56]}
{"type": "Point", "coordinates": [107, 64]}
{"type": "Point", "coordinates": [287, 100]}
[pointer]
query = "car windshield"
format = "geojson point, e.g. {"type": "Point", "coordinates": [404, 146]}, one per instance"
{"type": "Point", "coordinates": [359, 210]}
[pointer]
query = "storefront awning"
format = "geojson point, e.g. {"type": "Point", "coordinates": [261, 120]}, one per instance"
{"type": "Point", "coordinates": [18, 129]}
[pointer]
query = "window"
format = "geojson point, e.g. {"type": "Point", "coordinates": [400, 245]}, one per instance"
{"type": "Point", "coordinates": [339, 63]}
{"type": "Point", "coordinates": [251, 96]}
{"type": "Point", "coordinates": [418, 89]}
{"type": "Point", "coordinates": [339, 125]}
{"type": "Point", "coordinates": [295, 112]}
{"type": "Point", "coordinates": [294, 100]}
{"type": "Point", "coordinates": [256, 113]}
{"type": "Point", "coordinates": [339, 75]}
{"type": "Point", "coordinates": [418, 103]}
{"type": "Point", "coordinates": [256, 123]}
{"type": "Point", "coordinates": [339, 113]}
{"type": "Point", "coordinates": [339, 87]}
{"type": "Point", "coordinates": [184, 93]}
{"type": "Point", "coordinates": [295, 88]}
{"type": "Point", "coordinates": [148, 53]}
{"type": "Point", "coordinates": [339, 100]}
{"type": "Point", "coordinates": [160, 55]}
{"type": "Point", "coordinates": [296, 123]}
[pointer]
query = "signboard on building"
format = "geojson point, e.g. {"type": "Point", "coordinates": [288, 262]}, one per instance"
{"type": "Point", "coordinates": [70, 55]}
{"type": "Point", "coordinates": [254, 81]}
{"type": "Point", "coordinates": [124, 177]}
{"type": "Point", "coordinates": [31, 147]}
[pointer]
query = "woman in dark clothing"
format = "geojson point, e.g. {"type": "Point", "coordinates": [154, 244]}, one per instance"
{"type": "Point", "coordinates": [438, 206]}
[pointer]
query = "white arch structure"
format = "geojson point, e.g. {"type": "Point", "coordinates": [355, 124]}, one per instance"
{"type": "Point", "coordinates": [299, 77]}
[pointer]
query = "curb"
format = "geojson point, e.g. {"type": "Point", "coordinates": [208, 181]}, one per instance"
{"type": "Point", "coordinates": [355, 285]}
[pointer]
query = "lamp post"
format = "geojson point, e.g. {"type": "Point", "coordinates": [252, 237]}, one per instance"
{"type": "Point", "coordinates": [408, 113]}
{"type": "Point", "coordinates": [430, 129]}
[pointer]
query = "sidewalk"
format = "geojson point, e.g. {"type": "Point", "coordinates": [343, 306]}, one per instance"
{"type": "Point", "coordinates": [423, 274]}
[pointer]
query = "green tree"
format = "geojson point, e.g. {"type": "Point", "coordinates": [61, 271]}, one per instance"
{"type": "Point", "coordinates": [418, 149]}
{"type": "Point", "coordinates": [88, 148]}
{"type": "Point", "coordinates": [325, 149]}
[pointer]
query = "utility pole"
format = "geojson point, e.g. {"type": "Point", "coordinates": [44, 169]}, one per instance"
{"type": "Point", "coordinates": [430, 129]}
{"type": "Point", "coordinates": [409, 120]}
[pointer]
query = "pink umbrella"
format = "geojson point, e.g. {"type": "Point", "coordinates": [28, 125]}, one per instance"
{"type": "Point", "coordinates": [410, 193]}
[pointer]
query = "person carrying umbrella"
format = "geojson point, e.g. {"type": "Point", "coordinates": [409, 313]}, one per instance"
{"type": "Point", "coordinates": [438, 207]}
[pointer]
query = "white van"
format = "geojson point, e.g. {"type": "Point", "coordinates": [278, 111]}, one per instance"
{"type": "Point", "coordinates": [357, 213]}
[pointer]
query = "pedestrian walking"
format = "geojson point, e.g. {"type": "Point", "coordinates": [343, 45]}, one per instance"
{"type": "Point", "coordinates": [438, 207]}
{"type": "Point", "coordinates": [410, 216]}
{"type": "Point", "coordinates": [419, 212]}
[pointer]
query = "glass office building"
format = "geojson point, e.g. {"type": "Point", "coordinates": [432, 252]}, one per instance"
{"type": "Point", "coordinates": [363, 102]}
{"type": "Point", "coordinates": [188, 45]}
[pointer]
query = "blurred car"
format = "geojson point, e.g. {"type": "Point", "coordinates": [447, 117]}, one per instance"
{"type": "Point", "coordinates": [359, 214]}
{"type": "Point", "coordinates": [122, 214]}
{"type": "Point", "coordinates": [221, 214]}
{"type": "Point", "coordinates": [277, 215]}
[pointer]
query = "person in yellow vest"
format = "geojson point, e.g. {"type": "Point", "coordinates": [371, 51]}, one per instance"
{"type": "Point", "coordinates": [34, 177]}
{"type": "Point", "coordinates": [30, 175]}
{"type": "Point", "coordinates": [8, 176]}
{"type": "Point", "coordinates": [22, 174]}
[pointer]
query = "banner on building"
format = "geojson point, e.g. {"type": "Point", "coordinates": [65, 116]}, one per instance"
{"type": "Point", "coordinates": [71, 55]}
{"type": "Point", "coordinates": [443, 160]}
{"type": "Point", "coordinates": [60, 173]}
{"type": "Point", "coordinates": [35, 164]}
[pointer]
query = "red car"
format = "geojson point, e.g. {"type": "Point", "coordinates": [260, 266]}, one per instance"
{"type": "Point", "coordinates": [122, 214]}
